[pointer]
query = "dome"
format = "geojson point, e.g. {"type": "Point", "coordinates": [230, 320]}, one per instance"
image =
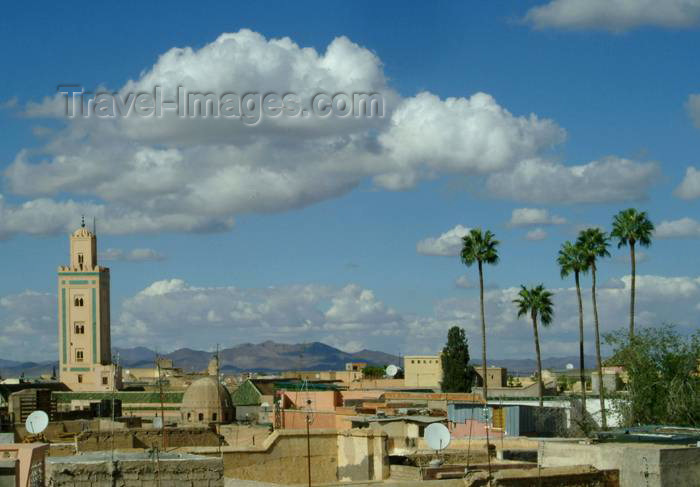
{"type": "Point", "coordinates": [206, 401]}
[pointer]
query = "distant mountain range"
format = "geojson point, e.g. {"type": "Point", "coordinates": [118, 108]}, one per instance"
{"type": "Point", "coordinates": [272, 357]}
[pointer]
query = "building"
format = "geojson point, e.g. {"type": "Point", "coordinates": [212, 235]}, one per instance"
{"type": "Point", "coordinates": [206, 400]}
{"type": "Point", "coordinates": [495, 376]}
{"type": "Point", "coordinates": [250, 396]}
{"type": "Point", "coordinates": [422, 371]}
{"type": "Point", "coordinates": [404, 432]}
{"type": "Point", "coordinates": [23, 403]}
{"type": "Point", "coordinates": [23, 464]}
{"type": "Point", "coordinates": [355, 366]}
{"type": "Point", "coordinates": [470, 419]}
{"type": "Point", "coordinates": [84, 343]}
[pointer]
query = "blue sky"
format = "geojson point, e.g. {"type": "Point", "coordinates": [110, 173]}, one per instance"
{"type": "Point", "coordinates": [333, 255]}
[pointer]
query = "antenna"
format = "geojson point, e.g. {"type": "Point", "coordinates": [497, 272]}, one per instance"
{"type": "Point", "coordinates": [437, 436]}
{"type": "Point", "coordinates": [94, 225]}
{"type": "Point", "coordinates": [37, 422]}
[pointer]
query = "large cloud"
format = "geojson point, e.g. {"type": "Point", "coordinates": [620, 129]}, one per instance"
{"type": "Point", "coordinates": [173, 313]}
{"type": "Point", "coordinates": [614, 15]}
{"type": "Point", "coordinates": [292, 313]}
{"type": "Point", "coordinates": [660, 300]}
{"type": "Point", "coordinates": [611, 179]}
{"type": "Point", "coordinates": [169, 173]}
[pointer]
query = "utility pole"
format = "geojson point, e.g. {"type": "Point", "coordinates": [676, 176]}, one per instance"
{"type": "Point", "coordinates": [162, 408]}
{"type": "Point", "coordinates": [308, 439]}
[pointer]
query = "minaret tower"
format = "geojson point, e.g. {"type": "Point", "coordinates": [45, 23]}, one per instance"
{"type": "Point", "coordinates": [84, 344]}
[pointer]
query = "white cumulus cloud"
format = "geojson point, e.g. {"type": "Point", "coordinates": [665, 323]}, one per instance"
{"type": "Point", "coordinates": [614, 15]}
{"type": "Point", "coordinates": [172, 313]}
{"type": "Point", "coordinates": [133, 255]}
{"type": "Point", "coordinates": [690, 186]}
{"type": "Point", "coordinates": [176, 174]}
{"type": "Point", "coordinates": [611, 179]}
{"type": "Point", "coordinates": [681, 228]}
{"type": "Point", "coordinates": [692, 105]}
{"type": "Point", "coordinates": [446, 244]}
{"type": "Point", "coordinates": [523, 217]}
{"type": "Point", "coordinates": [536, 234]}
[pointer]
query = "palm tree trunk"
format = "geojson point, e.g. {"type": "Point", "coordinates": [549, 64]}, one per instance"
{"type": "Point", "coordinates": [483, 331]}
{"type": "Point", "coordinates": [632, 289]}
{"type": "Point", "coordinates": [540, 382]}
{"type": "Point", "coordinates": [581, 365]}
{"type": "Point", "coordinates": [599, 363]}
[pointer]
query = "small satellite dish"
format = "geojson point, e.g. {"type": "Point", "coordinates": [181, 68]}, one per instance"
{"type": "Point", "coordinates": [265, 405]}
{"type": "Point", "coordinates": [392, 370]}
{"type": "Point", "coordinates": [37, 422]}
{"type": "Point", "coordinates": [437, 436]}
{"type": "Point", "coordinates": [569, 366]}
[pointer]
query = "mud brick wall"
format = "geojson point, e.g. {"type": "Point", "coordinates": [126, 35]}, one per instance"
{"type": "Point", "coordinates": [146, 438]}
{"type": "Point", "coordinates": [138, 473]}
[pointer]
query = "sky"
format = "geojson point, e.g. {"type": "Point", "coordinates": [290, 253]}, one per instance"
{"type": "Point", "coordinates": [534, 119]}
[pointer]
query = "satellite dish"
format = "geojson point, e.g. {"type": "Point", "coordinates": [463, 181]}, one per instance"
{"type": "Point", "coordinates": [265, 405]}
{"type": "Point", "coordinates": [437, 436]}
{"type": "Point", "coordinates": [392, 370]}
{"type": "Point", "coordinates": [37, 422]}
{"type": "Point", "coordinates": [569, 366]}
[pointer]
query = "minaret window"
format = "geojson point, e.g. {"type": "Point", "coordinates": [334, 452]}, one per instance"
{"type": "Point", "coordinates": [79, 302]}
{"type": "Point", "coordinates": [78, 355]}
{"type": "Point", "coordinates": [80, 260]}
{"type": "Point", "coordinates": [79, 327]}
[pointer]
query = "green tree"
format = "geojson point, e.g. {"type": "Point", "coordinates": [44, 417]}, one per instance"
{"type": "Point", "coordinates": [536, 302]}
{"type": "Point", "coordinates": [373, 372]}
{"type": "Point", "coordinates": [480, 247]}
{"type": "Point", "coordinates": [631, 227]}
{"type": "Point", "coordinates": [663, 385]}
{"type": "Point", "coordinates": [594, 243]}
{"type": "Point", "coordinates": [572, 260]}
{"type": "Point", "coordinates": [457, 374]}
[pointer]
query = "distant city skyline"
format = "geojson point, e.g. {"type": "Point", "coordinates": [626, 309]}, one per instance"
{"type": "Point", "coordinates": [531, 119]}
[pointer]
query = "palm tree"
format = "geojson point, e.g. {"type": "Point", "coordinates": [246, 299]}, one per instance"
{"type": "Point", "coordinates": [480, 247]}
{"type": "Point", "coordinates": [629, 228]}
{"type": "Point", "coordinates": [594, 243]}
{"type": "Point", "coordinates": [572, 259]}
{"type": "Point", "coordinates": [536, 301]}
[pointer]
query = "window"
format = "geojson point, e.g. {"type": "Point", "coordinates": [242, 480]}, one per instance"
{"type": "Point", "coordinates": [80, 378]}
{"type": "Point", "coordinates": [213, 416]}
{"type": "Point", "coordinates": [201, 416]}
{"type": "Point", "coordinates": [189, 416]}
{"type": "Point", "coordinates": [105, 380]}
{"type": "Point", "coordinates": [79, 302]}
{"type": "Point", "coordinates": [79, 327]}
{"type": "Point", "coordinates": [78, 355]}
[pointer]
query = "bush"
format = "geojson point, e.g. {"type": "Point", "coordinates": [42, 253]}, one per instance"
{"type": "Point", "coordinates": [663, 382]}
